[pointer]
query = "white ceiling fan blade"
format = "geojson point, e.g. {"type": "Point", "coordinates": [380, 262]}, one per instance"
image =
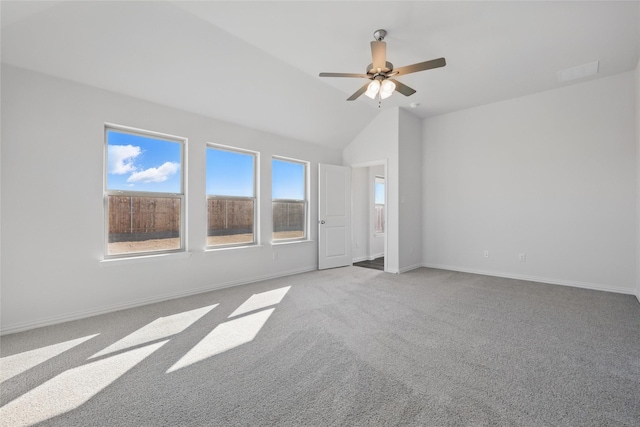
{"type": "Point", "coordinates": [421, 66]}
{"type": "Point", "coordinates": [403, 88]}
{"type": "Point", "coordinates": [359, 92]}
{"type": "Point", "coordinates": [364, 76]}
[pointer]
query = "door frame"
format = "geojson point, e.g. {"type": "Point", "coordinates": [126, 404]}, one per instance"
{"type": "Point", "coordinates": [385, 163]}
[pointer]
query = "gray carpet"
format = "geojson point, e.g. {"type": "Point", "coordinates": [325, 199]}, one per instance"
{"type": "Point", "coordinates": [348, 346]}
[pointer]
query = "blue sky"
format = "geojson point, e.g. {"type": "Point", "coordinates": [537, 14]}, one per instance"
{"type": "Point", "coordinates": [229, 173]}
{"type": "Point", "coordinates": [138, 163]}
{"type": "Point", "coordinates": [379, 193]}
{"type": "Point", "coordinates": [288, 180]}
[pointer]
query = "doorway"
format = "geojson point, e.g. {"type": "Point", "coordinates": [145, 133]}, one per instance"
{"type": "Point", "coordinates": [369, 213]}
{"type": "Point", "coordinates": [375, 264]}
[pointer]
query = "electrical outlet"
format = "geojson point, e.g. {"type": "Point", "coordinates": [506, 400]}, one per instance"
{"type": "Point", "coordinates": [522, 257]}
{"type": "Point", "coordinates": [486, 254]}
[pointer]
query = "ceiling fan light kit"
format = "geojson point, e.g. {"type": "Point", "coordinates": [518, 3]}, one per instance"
{"type": "Point", "coordinates": [372, 89]}
{"type": "Point", "coordinates": [380, 72]}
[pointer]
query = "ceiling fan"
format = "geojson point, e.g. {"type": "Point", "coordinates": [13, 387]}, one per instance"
{"type": "Point", "coordinates": [380, 72]}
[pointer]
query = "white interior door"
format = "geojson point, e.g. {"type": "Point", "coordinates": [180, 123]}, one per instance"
{"type": "Point", "coordinates": [334, 216]}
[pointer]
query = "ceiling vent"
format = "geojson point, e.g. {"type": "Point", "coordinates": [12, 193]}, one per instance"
{"type": "Point", "coordinates": [578, 72]}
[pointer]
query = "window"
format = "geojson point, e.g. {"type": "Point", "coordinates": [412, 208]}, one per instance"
{"type": "Point", "coordinates": [378, 190]}
{"type": "Point", "coordinates": [289, 194]}
{"type": "Point", "coordinates": [144, 192]}
{"type": "Point", "coordinates": [231, 196]}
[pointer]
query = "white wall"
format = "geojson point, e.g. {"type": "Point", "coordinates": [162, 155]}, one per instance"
{"type": "Point", "coordinates": [410, 158]}
{"type": "Point", "coordinates": [379, 142]}
{"type": "Point", "coordinates": [552, 175]}
{"type": "Point", "coordinates": [52, 207]}
{"type": "Point", "coordinates": [395, 135]}
{"type": "Point", "coordinates": [638, 182]}
{"type": "Point", "coordinates": [360, 214]}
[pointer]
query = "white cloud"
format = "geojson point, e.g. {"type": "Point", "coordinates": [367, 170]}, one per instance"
{"type": "Point", "coordinates": [160, 174]}
{"type": "Point", "coordinates": [121, 158]}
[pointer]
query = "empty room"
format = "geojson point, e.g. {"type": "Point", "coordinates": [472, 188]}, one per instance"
{"type": "Point", "coordinates": [312, 213]}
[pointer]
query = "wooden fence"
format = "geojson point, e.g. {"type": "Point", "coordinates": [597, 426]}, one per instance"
{"type": "Point", "coordinates": [288, 216]}
{"type": "Point", "coordinates": [229, 216]}
{"type": "Point", "coordinates": [133, 218]}
{"type": "Point", "coordinates": [379, 218]}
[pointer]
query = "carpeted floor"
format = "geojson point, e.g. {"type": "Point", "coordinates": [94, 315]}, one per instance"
{"type": "Point", "coordinates": [348, 346]}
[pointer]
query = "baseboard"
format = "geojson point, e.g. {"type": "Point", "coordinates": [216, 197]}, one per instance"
{"type": "Point", "coordinates": [21, 327]}
{"type": "Point", "coordinates": [584, 285]}
{"type": "Point", "coordinates": [368, 258]}
{"type": "Point", "coordinates": [410, 267]}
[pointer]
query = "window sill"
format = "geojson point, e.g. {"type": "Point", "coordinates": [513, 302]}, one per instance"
{"type": "Point", "coordinates": [233, 249]}
{"type": "Point", "coordinates": [293, 242]}
{"type": "Point", "coordinates": [110, 262]}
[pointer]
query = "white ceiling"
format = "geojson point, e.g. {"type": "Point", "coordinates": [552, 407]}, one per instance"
{"type": "Point", "coordinates": [257, 63]}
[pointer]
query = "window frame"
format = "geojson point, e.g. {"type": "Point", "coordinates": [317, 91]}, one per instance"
{"type": "Point", "coordinates": [255, 198]}
{"type": "Point", "coordinates": [182, 196]}
{"type": "Point", "coordinates": [305, 200]}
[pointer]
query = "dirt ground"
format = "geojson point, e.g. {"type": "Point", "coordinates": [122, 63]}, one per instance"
{"type": "Point", "coordinates": [174, 243]}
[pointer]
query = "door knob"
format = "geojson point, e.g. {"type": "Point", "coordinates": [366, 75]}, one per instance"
{"type": "Point", "coordinates": [322, 222]}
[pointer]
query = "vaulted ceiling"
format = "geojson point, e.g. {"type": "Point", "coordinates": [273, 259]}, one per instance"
{"type": "Point", "coordinates": [257, 63]}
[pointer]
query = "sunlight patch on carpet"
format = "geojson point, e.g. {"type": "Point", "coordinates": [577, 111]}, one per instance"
{"type": "Point", "coordinates": [71, 388]}
{"type": "Point", "coordinates": [261, 300]}
{"type": "Point", "coordinates": [10, 366]}
{"type": "Point", "coordinates": [163, 327]}
{"type": "Point", "coordinates": [224, 337]}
